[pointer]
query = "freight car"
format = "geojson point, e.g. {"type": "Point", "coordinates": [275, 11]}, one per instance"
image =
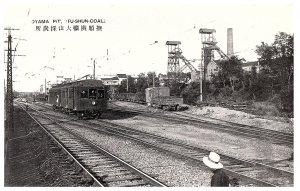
{"type": "Point", "coordinates": [40, 97]}
{"type": "Point", "coordinates": [156, 97]}
{"type": "Point", "coordinates": [160, 97]}
{"type": "Point", "coordinates": [138, 97]}
{"type": "Point", "coordinates": [86, 98]}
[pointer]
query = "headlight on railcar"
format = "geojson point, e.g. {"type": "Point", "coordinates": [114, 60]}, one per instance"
{"type": "Point", "coordinates": [93, 103]}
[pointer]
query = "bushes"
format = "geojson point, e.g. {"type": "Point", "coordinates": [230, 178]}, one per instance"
{"type": "Point", "coordinates": [219, 94]}
{"type": "Point", "coordinates": [287, 100]}
{"type": "Point", "coordinates": [225, 92]}
{"type": "Point", "coordinates": [191, 93]}
{"type": "Point", "coordinates": [267, 101]}
{"type": "Point", "coordinates": [266, 108]}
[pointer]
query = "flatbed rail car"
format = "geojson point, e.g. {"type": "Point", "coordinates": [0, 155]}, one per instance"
{"type": "Point", "coordinates": [86, 98]}
{"type": "Point", "coordinates": [166, 102]}
{"type": "Point", "coordinates": [160, 97]}
{"type": "Point", "coordinates": [156, 97]}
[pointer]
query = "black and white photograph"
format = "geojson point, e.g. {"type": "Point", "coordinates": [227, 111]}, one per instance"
{"type": "Point", "coordinates": [141, 94]}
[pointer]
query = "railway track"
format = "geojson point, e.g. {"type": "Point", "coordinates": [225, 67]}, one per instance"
{"type": "Point", "coordinates": [247, 170]}
{"type": "Point", "coordinates": [275, 137]}
{"type": "Point", "coordinates": [251, 173]}
{"type": "Point", "coordinates": [106, 169]}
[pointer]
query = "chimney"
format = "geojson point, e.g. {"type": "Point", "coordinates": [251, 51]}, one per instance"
{"type": "Point", "coordinates": [229, 42]}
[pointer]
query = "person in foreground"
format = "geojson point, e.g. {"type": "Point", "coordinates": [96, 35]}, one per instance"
{"type": "Point", "coordinates": [219, 179]}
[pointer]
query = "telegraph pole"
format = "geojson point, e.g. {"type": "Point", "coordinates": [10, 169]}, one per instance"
{"type": "Point", "coordinates": [127, 88]}
{"type": "Point", "coordinates": [200, 79]}
{"type": "Point", "coordinates": [9, 87]}
{"type": "Point", "coordinates": [153, 80]}
{"type": "Point", "coordinates": [45, 89]}
{"type": "Point", "coordinates": [94, 70]}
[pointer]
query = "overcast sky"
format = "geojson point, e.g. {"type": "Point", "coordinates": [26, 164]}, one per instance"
{"type": "Point", "coordinates": [126, 42]}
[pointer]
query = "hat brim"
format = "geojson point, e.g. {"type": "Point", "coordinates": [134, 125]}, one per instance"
{"type": "Point", "coordinates": [212, 165]}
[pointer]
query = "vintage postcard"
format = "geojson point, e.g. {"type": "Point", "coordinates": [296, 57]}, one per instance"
{"type": "Point", "coordinates": [181, 94]}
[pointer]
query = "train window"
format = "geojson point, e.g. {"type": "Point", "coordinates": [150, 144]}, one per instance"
{"type": "Point", "coordinates": [57, 99]}
{"type": "Point", "coordinates": [71, 92]}
{"type": "Point", "coordinates": [100, 94]}
{"type": "Point", "coordinates": [84, 94]}
{"type": "Point", "coordinates": [92, 93]}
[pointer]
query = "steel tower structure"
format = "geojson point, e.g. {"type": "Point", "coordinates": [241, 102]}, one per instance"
{"type": "Point", "coordinates": [209, 45]}
{"type": "Point", "coordinates": [174, 57]}
{"type": "Point", "coordinates": [9, 86]}
{"type": "Point", "coordinates": [9, 97]}
{"type": "Point", "coordinates": [174, 53]}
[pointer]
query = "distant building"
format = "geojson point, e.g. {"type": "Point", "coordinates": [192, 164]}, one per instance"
{"type": "Point", "coordinates": [59, 79]}
{"type": "Point", "coordinates": [194, 76]}
{"type": "Point", "coordinates": [67, 80]}
{"type": "Point", "coordinates": [247, 66]}
{"type": "Point", "coordinates": [121, 77]}
{"type": "Point", "coordinates": [213, 67]}
{"type": "Point", "coordinates": [113, 81]}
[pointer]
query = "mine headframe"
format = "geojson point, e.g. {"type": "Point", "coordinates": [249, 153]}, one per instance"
{"type": "Point", "coordinates": [174, 56]}
{"type": "Point", "coordinates": [209, 45]}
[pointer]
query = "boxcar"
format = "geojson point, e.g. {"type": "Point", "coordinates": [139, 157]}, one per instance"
{"type": "Point", "coordinates": [86, 98]}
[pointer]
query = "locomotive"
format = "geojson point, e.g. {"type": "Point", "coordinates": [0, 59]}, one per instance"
{"type": "Point", "coordinates": [86, 98]}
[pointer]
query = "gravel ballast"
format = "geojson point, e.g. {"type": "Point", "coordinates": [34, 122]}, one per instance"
{"type": "Point", "coordinates": [167, 169]}
{"type": "Point", "coordinates": [232, 145]}
{"type": "Point", "coordinates": [33, 160]}
{"type": "Point", "coordinates": [221, 142]}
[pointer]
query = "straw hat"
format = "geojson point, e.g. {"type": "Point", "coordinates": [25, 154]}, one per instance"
{"type": "Point", "coordinates": [213, 161]}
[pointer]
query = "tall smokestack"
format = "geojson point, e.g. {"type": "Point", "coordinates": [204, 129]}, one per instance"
{"type": "Point", "coordinates": [229, 42]}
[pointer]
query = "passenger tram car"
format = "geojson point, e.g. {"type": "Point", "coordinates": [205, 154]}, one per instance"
{"type": "Point", "coordinates": [86, 98]}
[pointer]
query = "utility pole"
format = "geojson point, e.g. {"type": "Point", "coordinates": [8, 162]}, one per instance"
{"type": "Point", "coordinates": [9, 87]}
{"type": "Point", "coordinates": [153, 80]}
{"type": "Point", "coordinates": [200, 79]}
{"type": "Point", "coordinates": [45, 88]}
{"type": "Point", "coordinates": [94, 68]}
{"type": "Point", "coordinates": [127, 84]}
{"type": "Point", "coordinates": [94, 71]}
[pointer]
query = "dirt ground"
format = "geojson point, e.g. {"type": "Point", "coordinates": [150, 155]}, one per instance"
{"type": "Point", "coordinates": [278, 124]}
{"type": "Point", "coordinates": [274, 123]}
{"type": "Point", "coordinates": [221, 142]}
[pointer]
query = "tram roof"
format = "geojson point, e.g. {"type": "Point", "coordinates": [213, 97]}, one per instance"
{"type": "Point", "coordinates": [81, 83]}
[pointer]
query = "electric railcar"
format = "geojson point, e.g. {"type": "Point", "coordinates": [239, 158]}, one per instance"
{"type": "Point", "coordinates": [86, 98]}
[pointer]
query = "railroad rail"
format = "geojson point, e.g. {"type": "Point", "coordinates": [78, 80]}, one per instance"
{"type": "Point", "coordinates": [251, 172]}
{"type": "Point", "coordinates": [105, 168]}
{"type": "Point", "coordinates": [256, 173]}
{"type": "Point", "coordinates": [275, 137]}
{"type": "Point", "coordinates": [96, 182]}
